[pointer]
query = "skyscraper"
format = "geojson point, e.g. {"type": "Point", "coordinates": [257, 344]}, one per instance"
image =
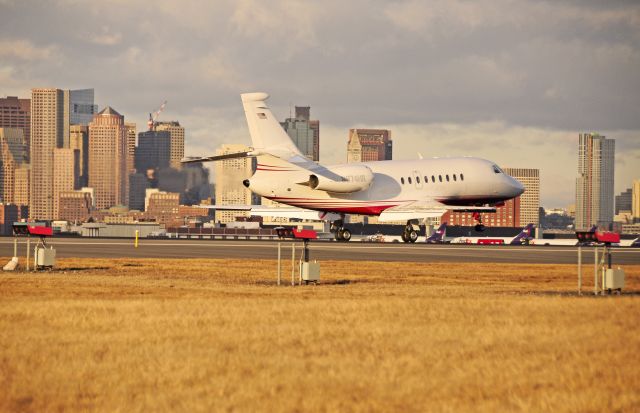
{"type": "Point", "coordinates": [22, 184]}
{"type": "Point", "coordinates": [176, 150]}
{"type": "Point", "coordinates": [66, 164]}
{"type": "Point", "coordinates": [594, 185]}
{"type": "Point", "coordinates": [304, 132]}
{"type": "Point", "coordinates": [47, 127]}
{"type": "Point", "coordinates": [16, 113]}
{"type": "Point", "coordinates": [53, 111]}
{"type": "Point", "coordinates": [623, 201]}
{"type": "Point", "coordinates": [12, 156]}
{"type": "Point", "coordinates": [153, 151]}
{"type": "Point", "coordinates": [229, 176]}
{"type": "Point", "coordinates": [635, 199]}
{"type": "Point", "coordinates": [369, 145]}
{"type": "Point", "coordinates": [131, 147]}
{"type": "Point", "coordinates": [107, 158]}
{"type": "Point", "coordinates": [78, 110]}
{"type": "Point", "coordinates": [130, 158]}
{"type": "Point", "coordinates": [79, 140]}
{"type": "Point", "coordinates": [138, 185]}
{"type": "Point", "coordinates": [530, 199]}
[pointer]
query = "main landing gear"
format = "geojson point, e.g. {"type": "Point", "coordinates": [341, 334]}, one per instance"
{"type": "Point", "coordinates": [409, 234]}
{"type": "Point", "coordinates": [479, 227]}
{"type": "Point", "coordinates": [340, 232]}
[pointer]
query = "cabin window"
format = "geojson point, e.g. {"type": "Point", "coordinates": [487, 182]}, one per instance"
{"type": "Point", "coordinates": [417, 179]}
{"type": "Point", "coordinates": [461, 177]}
{"type": "Point", "coordinates": [433, 178]}
{"type": "Point", "coordinates": [447, 177]}
{"type": "Point", "coordinates": [409, 179]}
{"type": "Point", "coordinates": [402, 181]}
{"type": "Point", "coordinates": [426, 179]}
{"type": "Point", "coordinates": [440, 178]}
{"type": "Point", "coordinates": [454, 177]}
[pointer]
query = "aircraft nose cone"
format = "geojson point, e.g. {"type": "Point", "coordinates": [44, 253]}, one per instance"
{"type": "Point", "coordinates": [516, 187]}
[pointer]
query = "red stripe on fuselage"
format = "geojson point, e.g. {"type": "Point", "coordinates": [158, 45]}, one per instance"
{"type": "Point", "coordinates": [329, 205]}
{"type": "Point", "coordinates": [259, 168]}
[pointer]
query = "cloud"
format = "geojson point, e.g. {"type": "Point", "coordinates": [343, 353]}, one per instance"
{"type": "Point", "coordinates": [523, 76]}
{"type": "Point", "coordinates": [436, 18]}
{"type": "Point", "coordinates": [25, 50]}
{"type": "Point", "coordinates": [289, 25]}
{"type": "Point", "coordinates": [106, 38]}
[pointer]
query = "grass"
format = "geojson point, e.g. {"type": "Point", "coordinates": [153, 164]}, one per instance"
{"type": "Point", "coordinates": [132, 335]}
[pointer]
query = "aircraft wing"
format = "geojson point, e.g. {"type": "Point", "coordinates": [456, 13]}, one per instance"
{"type": "Point", "coordinates": [426, 209]}
{"type": "Point", "coordinates": [277, 212]}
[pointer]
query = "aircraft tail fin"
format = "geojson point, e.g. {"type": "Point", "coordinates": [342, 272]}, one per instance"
{"type": "Point", "coordinates": [524, 236]}
{"type": "Point", "coordinates": [266, 132]}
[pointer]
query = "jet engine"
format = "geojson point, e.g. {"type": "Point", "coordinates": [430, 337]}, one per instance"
{"type": "Point", "coordinates": [343, 180]}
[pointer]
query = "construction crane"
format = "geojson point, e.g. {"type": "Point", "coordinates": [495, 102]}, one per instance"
{"type": "Point", "coordinates": [152, 118]}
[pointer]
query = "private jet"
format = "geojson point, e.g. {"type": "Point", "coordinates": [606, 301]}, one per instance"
{"type": "Point", "coordinates": [411, 191]}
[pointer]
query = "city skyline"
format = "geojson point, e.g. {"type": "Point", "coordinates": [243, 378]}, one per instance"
{"type": "Point", "coordinates": [514, 83]}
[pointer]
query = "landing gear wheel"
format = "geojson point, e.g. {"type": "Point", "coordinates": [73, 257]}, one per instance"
{"type": "Point", "coordinates": [343, 234]}
{"type": "Point", "coordinates": [479, 227]}
{"type": "Point", "coordinates": [412, 236]}
{"type": "Point", "coordinates": [404, 236]}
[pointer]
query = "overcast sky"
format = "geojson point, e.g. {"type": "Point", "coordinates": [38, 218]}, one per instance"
{"type": "Point", "coordinates": [511, 81]}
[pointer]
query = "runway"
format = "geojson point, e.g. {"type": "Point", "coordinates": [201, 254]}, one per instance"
{"type": "Point", "coordinates": [353, 251]}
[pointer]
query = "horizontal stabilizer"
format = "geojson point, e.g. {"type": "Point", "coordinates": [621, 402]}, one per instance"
{"type": "Point", "coordinates": [194, 159]}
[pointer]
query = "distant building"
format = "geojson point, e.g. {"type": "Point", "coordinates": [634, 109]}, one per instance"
{"type": "Point", "coordinates": [507, 215]}
{"type": "Point", "coordinates": [369, 145]}
{"type": "Point", "coordinates": [138, 184]}
{"type": "Point", "coordinates": [53, 111]}
{"type": "Point", "coordinates": [176, 147]}
{"type": "Point", "coordinates": [623, 201]}
{"type": "Point", "coordinates": [229, 188]}
{"type": "Point", "coordinates": [75, 206]}
{"type": "Point", "coordinates": [10, 213]}
{"type": "Point", "coordinates": [47, 128]}
{"type": "Point", "coordinates": [22, 176]}
{"type": "Point", "coordinates": [163, 206]}
{"type": "Point", "coordinates": [131, 146]}
{"type": "Point", "coordinates": [79, 140]}
{"type": "Point", "coordinates": [78, 109]}
{"type": "Point", "coordinates": [153, 152]}
{"type": "Point", "coordinates": [635, 199]}
{"type": "Point", "coordinates": [197, 187]}
{"type": "Point", "coordinates": [191, 182]}
{"type": "Point", "coordinates": [594, 185]}
{"type": "Point", "coordinates": [530, 199]}
{"type": "Point", "coordinates": [107, 158]}
{"type": "Point", "coordinates": [16, 113]}
{"type": "Point", "coordinates": [304, 132]}
{"type": "Point", "coordinates": [65, 174]}
{"type": "Point", "coordinates": [12, 156]}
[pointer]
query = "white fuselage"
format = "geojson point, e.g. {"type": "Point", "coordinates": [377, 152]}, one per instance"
{"type": "Point", "coordinates": [462, 181]}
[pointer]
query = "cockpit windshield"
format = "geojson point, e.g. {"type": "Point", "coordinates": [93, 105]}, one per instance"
{"type": "Point", "coordinates": [496, 169]}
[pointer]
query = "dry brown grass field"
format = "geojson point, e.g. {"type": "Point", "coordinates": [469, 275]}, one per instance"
{"type": "Point", "coordinates": [219, 335]}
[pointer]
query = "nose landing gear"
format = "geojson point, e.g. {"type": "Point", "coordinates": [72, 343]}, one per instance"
{"type": "Point", "coordinates": [409, 234]}
{"type": "Point", "coordinates": [479, 227]}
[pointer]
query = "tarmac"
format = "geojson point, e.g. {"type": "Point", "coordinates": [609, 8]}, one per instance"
{"type": "Point", "coordinates": [319, 250]}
